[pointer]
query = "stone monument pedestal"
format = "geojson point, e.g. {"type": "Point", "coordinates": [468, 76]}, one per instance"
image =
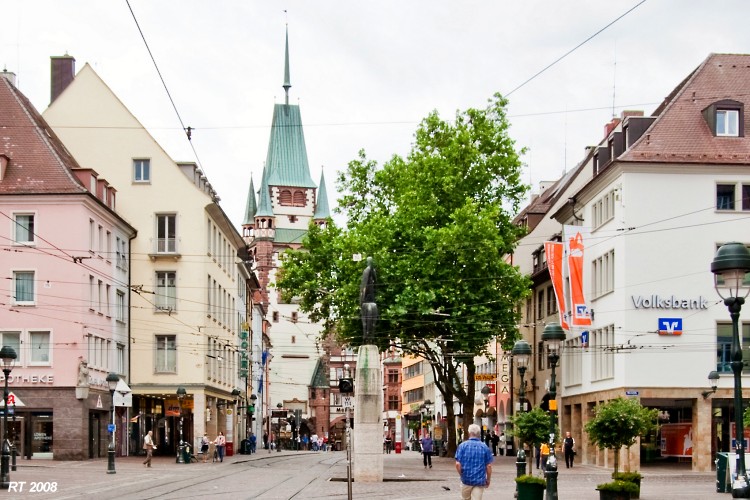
{"type": "Point", "coordinates": [368, 409]}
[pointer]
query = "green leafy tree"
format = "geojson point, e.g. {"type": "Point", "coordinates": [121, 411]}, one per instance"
{"type": "Point", "coordinates": [619, 422]}
{"type": "Point", "coordinates": [438, 224]}
{"type": "Point", "coordinates": [531, 428]}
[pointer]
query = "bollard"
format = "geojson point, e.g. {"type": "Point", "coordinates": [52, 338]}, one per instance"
{"type": "Point", "coordinates": [551, 476]}
{"type": "Point", "coordinates": [520, 467]}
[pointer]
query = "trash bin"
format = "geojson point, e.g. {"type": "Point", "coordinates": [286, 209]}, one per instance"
{"type": "Point", "coordinates": [723, 484]}
{"type": "Point", "coordinates": [244, 447]}
{"type": "Point", "coordinates": [187, 453]}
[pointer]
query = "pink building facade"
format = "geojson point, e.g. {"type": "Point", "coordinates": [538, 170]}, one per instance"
{"type": "Point", "coordinates": [66, 301]}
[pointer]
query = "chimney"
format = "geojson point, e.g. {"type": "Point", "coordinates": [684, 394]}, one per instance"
{"type": "Point", "coordinates": [63, 70]}
{"type": "Point", "coordinates": [10, 76]}
{"type": "Point", "coordinates": [609, 127]}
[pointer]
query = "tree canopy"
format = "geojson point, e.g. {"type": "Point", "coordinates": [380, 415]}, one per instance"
{"type": "Point", "coordinates": [619, 422]}
{"type": "Point", "coordinates": [438, 224]}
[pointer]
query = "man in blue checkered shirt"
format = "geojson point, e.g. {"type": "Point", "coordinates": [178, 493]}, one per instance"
{"type": "Point", "coordinates": [474, 463]}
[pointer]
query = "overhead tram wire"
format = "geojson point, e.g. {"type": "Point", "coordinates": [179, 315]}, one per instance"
{"type": "Point", "coordinates": [575, 48]}
{"type": "Point", "coordinates": [188, 130]}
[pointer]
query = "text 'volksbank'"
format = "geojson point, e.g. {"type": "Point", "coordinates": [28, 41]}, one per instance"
{"type": "Point", "coordinates": [671, 302]}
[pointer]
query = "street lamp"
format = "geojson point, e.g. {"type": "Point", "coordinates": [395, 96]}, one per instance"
{"type": "Point", "coordinates": [552, 336]}
{"type": "Point", "coordinates": [8, 358]}
{"type": "Point", "coordinates": [112, 379]}
{"type": "Point", "coordinates": [713, 381]}
{"type": "Point", "coordinates": [181, 393]}
{"type": "Point", "coordinates": [730, 265]}
{"type": "Point", "coordinates": [250, 417]}
{"type": "Point", "coordinates": [521, 353]}
{"type": "Point", "coordinates": [486, 397]}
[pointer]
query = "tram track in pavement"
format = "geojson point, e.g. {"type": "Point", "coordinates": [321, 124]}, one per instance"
{"type": "Point", "coordinates": [228, 479]}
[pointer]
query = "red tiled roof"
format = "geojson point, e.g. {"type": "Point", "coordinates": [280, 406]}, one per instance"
{"type": "Point", "coordinates": [39, 163]}
{"type": "Point", "coordinates": [680, 134]}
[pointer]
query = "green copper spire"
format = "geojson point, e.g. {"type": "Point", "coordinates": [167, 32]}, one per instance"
{"type": "Point", "coordinates": [287, 84]}
{"type": "Point", "coordinates": [321, 207]}
{"type": "Point", "coordinates": [251, 207]}
{"type": "Point", "coordinates": [264, 201]}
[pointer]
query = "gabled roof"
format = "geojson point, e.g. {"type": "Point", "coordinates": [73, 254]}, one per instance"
{"type": "Point", "coordinates": [288, 235]}
{"type": "Point", "coordinates": [681, 134]}
{"type": "Point", "coordinates": [321, 207]}
{"type": "Point", "coordinates": [320, 376]}
{"type": "Point", "coordinates": [38, 161]}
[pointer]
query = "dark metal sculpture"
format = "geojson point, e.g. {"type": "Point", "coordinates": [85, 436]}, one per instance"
{"type": "Point", "coordinates": [369, 309]}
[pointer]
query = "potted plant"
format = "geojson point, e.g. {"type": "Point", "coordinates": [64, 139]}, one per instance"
{"type": "Point", "coordinates": [530, 487]}
{"type": "Point", "coordinates": [630, 477]}
{"type": "Point", "coordinates": [619, 423]}
{"type": "Point", "coordinates": [616, 490]}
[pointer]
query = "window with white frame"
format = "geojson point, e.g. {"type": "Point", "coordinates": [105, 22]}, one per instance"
{"type": "Point", "coordinates": [39, 348]}
{"type": "Point", "coordinates": [120, 307]}
{"type": "Point", "coordinates": [166, 354]}
{"type": "Point", "coordinates": [166, 291]}
{"type": "Point", "coordinates": [142, 170]}
{"type": "Point", "coordinates": [603, 274]}
{"type": "Point", "coordinates": [551, 301]}
{"type": "Point", "coordinates": [572, 355]}
{"type": "Point", "coordinates": [12, 339]}
{"type": "Point", "coordinates": [124, 255]}
{"type": "Point", "coordinates": [725, 198]}
{"type": "Point", "coordinates": [727, 122]}
{"type": "Point", "coordinates": [603, 210]}
{"type": "Point", "coordinates": [24, 229]}
{"type": "Point", "coordinates": [120, 358]}
{"type": "Point", "coordinates": [166, 233]}
{"type": "Point", "coordinates": [603, 353]}
{"type": "Point", "coordinates": [23, 288]}
{"type": "Point", "coordinates": [92, 235]}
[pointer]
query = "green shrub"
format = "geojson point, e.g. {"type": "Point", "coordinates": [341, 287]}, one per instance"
{"type": "Point", "coordinates": [631, 477]}
{"type": "Point", "coordinates": [529, 479]}
{"type": "Point", "coordinates": [620, 486]}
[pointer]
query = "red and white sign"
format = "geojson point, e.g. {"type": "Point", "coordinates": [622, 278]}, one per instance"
{"type": "Point", "coordinates": [677, 440]}
{"type": "Point", "coordinates": [575, 241]}
{"type": "Point", "coordinates": [554, 252]}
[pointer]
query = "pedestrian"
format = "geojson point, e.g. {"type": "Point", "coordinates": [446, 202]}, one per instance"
{"type": "Point", "coordinates": [544, 452]}
{"type": "Point", "coordinates": [502, 443]}
{"type": "Point", "coordinates": [265, 440]}
{"type": "Point", "coordinates": [495, 441]}
{"type": "Point", "coordinates": [220, 443]}
{"type": "Point", "coordinates": [537, 454]}
{"type": "Point", "coordinates": [569, 447]}
{"type": "Point", "coordinates": [426, 443]}
{"type": "Point", "coordinates": [388, 443]}
{"type": "Point", "coordinates": [253, 442]}
{"type": "Point", "coordinates": [474, 464]}
{"type": "Point", "coordinates": [149, 446]}
{"type": "Point", "coordinates": [204, 447]}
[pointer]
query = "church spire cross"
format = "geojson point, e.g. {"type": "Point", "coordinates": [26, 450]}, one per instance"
{"type": "Point", "coordinates": [287, 84]}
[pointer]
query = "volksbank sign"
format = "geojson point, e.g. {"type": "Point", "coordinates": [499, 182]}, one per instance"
{"type": "Point", "coordinates": [669, 302]}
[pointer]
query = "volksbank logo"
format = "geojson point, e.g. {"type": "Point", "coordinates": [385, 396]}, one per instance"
{"type": "Point", "coordinates": [671, 302]}
{"type": "Point", "coordinates": [670, 326]}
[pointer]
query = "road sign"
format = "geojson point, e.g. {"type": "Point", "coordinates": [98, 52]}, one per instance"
{"type": "Point", "coordinates": [111, 428]}
{"type": "Point", "coordinates": [348, 402]}
{"type": "Point", "coordinates": [632, 393]}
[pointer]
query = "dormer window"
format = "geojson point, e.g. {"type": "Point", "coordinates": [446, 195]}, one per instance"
{"type": "Point", "coordinates": [728, 122]}
{"type": "Point", "coordinates": [725, 118]}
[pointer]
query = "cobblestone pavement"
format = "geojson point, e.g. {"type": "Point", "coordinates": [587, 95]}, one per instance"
{"type": "Point", "coordinates": [303, 475]}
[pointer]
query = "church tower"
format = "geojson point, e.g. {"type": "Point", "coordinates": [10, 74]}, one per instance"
{"type": "Point", "coordinates": [287, 202]}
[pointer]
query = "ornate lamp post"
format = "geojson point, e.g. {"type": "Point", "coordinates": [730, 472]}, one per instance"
{"type": "Point", "coordinates": [112, 379]}
{"type": "Point", "coordinates": [731, 263]}
{"type": "Point", "coordinates": [521, 353]}
{"type": "Point", "coordinates": [181, 393]}
{"type": "Point", "coordinates": [553, 336]}
{"type": "Point", "coordinates": [8, 358]}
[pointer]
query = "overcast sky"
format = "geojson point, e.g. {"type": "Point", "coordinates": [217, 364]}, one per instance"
{"type": "Point", "coordinates": [366, 73]}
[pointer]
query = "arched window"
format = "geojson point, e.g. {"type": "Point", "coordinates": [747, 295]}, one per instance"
{"type": "Point", "coordinates": [299, 198]}
{"type": "Point", "coordinates": [285, 197]}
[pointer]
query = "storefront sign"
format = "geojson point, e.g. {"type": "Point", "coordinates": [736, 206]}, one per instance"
{"type": "Point", "coordinates": [29, 379]}
{"type": "Point", "coordinates": [676, 440]}
{"type": "Point", "coordinates": [669, 302]}
{"type": "Point", "coordinates": [484, 377]}
{"type": "Point", "coordinates": [172, 408]}
{"type": "Point", "coordinates": [13, 400]}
